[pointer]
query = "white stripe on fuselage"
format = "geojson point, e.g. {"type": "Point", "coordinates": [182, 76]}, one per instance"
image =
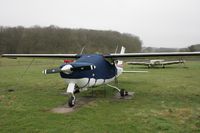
{"type": "Point", "coordinates": [90, 82]}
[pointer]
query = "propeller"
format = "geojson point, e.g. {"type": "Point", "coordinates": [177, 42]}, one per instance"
{"type": "Point", "coordinates": [69, 68]}
{"type": "Point", "coordinates": [51, 71]}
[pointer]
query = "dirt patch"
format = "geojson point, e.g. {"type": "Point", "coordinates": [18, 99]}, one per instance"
{"type": "Point", "coordinates": [85, 101]}
{"type": "Point", "coordinates": [62, 110]}
{"type": "Point", "coordinates": [82, 101]}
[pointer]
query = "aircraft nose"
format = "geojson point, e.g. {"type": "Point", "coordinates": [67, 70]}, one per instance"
{"type": "Point", "coordinates": [67, 69]}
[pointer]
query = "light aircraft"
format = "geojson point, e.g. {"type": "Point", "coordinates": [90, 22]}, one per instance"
{"type": "Point", "coordinates": [88, 70]}
{"type": "Point", "coordinates": [156, 62]}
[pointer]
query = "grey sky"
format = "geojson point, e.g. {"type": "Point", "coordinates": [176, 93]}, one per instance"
{"type": "Point", "coordinates": [160, 23]}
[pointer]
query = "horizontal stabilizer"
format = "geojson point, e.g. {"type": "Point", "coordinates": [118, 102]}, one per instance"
{"type": "Point", "coordinates": [135, 71]}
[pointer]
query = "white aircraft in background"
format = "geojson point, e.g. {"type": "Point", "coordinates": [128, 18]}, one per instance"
{"type": "Point", "coordinates": [89, 70]}
{"type": "Point", "coordinates": [157, 62]}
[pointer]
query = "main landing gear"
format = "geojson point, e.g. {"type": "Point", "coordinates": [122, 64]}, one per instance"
{"type": "Point", "coordinates": [72, 90]}
{"type": "Point", "coordinates": [122, 92]}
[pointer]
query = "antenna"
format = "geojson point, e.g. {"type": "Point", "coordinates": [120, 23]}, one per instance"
{"type": "Point", "coordinates": [82, 50]}
{"type": "Point", "coordinates": [116, 49]}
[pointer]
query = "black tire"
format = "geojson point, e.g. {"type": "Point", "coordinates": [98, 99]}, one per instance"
{"type": "Point", "coordinates": [76, 91]}
{"type": "Point", "coordinates": [122, 92]}
{"type": "Point", "coordinates": [126, 93]}
{"type": "Point", "coordinates": [71, 101]}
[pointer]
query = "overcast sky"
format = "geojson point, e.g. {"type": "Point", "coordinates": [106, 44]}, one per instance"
{"type": "Point", "coordinates": [158, 23]}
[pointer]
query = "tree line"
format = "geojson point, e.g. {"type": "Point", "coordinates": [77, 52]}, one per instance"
{"type": "Point", "coordinates": [191, 48]}
{"type": "Point", "coordinates": [53, 39]}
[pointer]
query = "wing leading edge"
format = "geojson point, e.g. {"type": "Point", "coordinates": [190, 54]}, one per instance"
{"type": "Point", "coordinates": [173, 62]}
{"type": "Point", "coordinates": [42, 55]}
{"type": "Point", "coordinates": [126, 55]}
{"type": "Point", "coordinates": [115, 56]}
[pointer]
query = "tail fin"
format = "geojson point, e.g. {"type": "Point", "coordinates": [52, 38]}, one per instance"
{"type": "Point", "coordinates": [122, 50]}
{"type": "Point", "coordinates": [120, 63]}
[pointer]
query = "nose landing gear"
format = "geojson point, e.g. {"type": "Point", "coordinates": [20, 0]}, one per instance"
{"type": "Point", "coordinates": [71, 101]}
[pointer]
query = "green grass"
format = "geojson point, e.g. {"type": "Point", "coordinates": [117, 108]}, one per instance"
{"type": "Point", "coordinates": [166, 101]}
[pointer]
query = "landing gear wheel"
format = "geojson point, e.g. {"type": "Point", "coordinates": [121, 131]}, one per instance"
{"type": "Point", "coordinates": [123, 93]}
{"type": "Point", "coordinates": [71, 101]}
{"type": "Point", "coordinates": [76, 91]}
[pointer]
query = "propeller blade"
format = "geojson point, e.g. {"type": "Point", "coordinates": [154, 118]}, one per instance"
{"type": "Point", "coordinates": [51, 71]}
{"type": "Point", "coordinates": [66, 68]}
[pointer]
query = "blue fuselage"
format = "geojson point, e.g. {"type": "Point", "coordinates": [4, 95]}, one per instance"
{"type": "Point", "coordinates": [103, 70]}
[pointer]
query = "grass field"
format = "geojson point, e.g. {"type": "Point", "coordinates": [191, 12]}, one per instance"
{"type": "Point", "coordinates": [165, 101]}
